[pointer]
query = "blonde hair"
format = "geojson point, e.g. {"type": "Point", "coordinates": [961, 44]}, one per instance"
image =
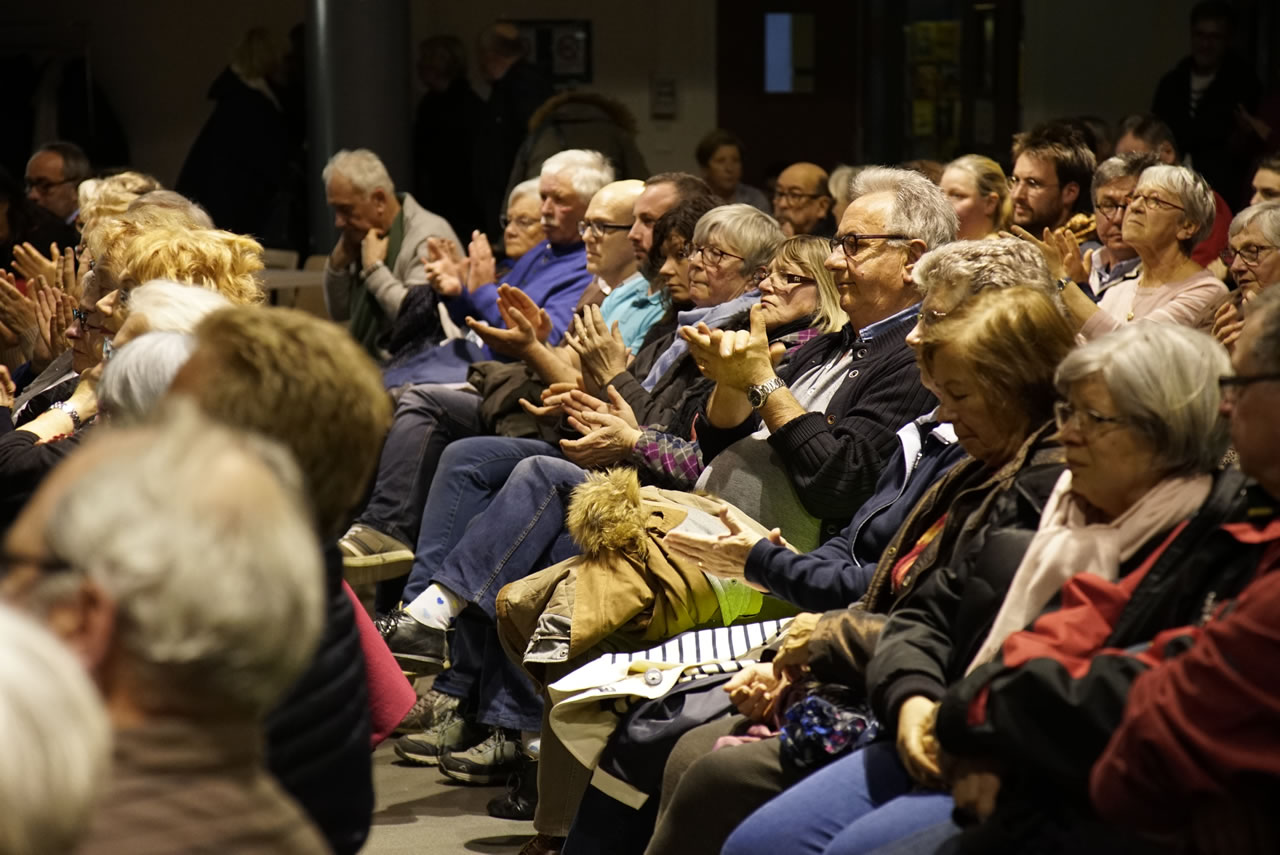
{"type": "Point", "coordinates": [111, 196]}
{"type": "Point", "coordinates": [988, 178]}
{"type": "Point", "coordinates": [107, 237]}
{"type": "Point", "coordinates": [809, 252]}
{"type": "Point", "coordinates": [306, 383]}
{"type": "Point", "coordinates": [209, 258]}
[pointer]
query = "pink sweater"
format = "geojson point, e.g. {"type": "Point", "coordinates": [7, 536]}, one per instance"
{"type": "Point", "coordinates": [1185, 302]}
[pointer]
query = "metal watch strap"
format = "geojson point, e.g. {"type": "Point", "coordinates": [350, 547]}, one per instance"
{"type": "Point", "coordinates": [70, 411]}
{"type": "Point", "coordinates": [757, 395]}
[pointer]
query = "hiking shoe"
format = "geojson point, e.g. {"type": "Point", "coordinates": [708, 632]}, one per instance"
{"type": "Point", "coordinates": [543, 844]}
{"type": "Point", "coordinates": [489, 762]}
{"type": "Point", "coordinates": [521, 799]}
{"type": "Point", "coordinates": [370, 556]}
{"type": "Point", "coordinates": [452, 734]}
{"type": "Point", "coordinates": [419, 649]}
{"type": "Point", "coordinates": [426, 712]}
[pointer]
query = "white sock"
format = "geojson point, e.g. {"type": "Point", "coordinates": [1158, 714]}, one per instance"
{"type": "Point", "coordinates": [437, 606]}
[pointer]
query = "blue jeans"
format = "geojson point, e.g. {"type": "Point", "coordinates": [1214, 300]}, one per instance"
{"type": "Point", "coordinates": [427, 419]}
{"type": "Point", "coordinates": [520, 533]}
{"type": "Point", "coordinates": [470, 473]}
{"type": "Point", "coordinates": [852, 807]}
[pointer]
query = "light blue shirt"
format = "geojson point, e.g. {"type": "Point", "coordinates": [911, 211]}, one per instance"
{"type": "Point", "coordinates": [872, 330]}
{"type": "Point", "coordinates": [634, 308]}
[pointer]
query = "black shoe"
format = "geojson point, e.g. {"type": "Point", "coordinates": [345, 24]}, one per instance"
{"type": "Point", "coordinates": [419, 649]}
{"type": "Point", "coordinates": [521, 799]}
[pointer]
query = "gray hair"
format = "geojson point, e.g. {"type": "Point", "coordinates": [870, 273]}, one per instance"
{"type": "Point", "coordinates": [838, 183]}
{"type": "Point", "coordinates": [920, 209]}
{"type": "Point", "coordinates": [176, 202]}
{"type": "Point", "coordinates": [1164, 381]}
{"type": "Point", "coordinates": [1129, 165]}
{"type": "Point", "coordinates": [1268, 216]}
{"type": "Point", "coordinates": [524, 188]}
{"type": "Point", "coordinates": [220, 595]}
{"type": "Point", "coordinates": [1266, 347]}
{"type": "Point", "coordinates": [55, 737]}
{"type": "Point", "coordinates": [138, 375]}
{"type": "Point", "coordinates": [588, 170]}
{"type": "Point", "coordinates": [744, 230]}
{"type": "Point", "coordinates": [976, 265]}
{"type": "Point", "coordinates": [75, 163]}
{"type": "Point", "coordinates": [1193, 194]}
{"type": "Point", "coordinates": [174, 306]}
{"type": "Point", "coordinates": [362, 168]}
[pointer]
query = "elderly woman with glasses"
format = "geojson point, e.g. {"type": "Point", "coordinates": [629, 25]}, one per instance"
{"type": "Point", "coordinates": [1170, 210]}
{"type": "Point", "coordinates": [1139, 421]}
{"type": "Point", "coordinates": [1253, 256]}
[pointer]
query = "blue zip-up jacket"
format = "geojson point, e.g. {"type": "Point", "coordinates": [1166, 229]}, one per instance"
{"type": "Point", "coordinates": [837, 572]}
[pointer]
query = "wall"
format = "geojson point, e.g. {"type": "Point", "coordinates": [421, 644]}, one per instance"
{"type": "Point", "coordinates": [1098, 56]}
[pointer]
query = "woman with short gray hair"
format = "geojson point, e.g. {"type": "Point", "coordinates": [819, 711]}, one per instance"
{"type": "Point", "coordinates": [1170, 210]}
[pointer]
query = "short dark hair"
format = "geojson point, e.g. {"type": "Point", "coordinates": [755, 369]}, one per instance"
{"type": "Point", "coordinates": [75, 163]}
{"type": "Point", "coordinates": [1063, 145]}
{"type": "Point", "coordinates": [1213, 10]}
{"type": "Point", "coordinates": [1271, 163]}
{"type": "Point", "coordinates": [713, 142]}
{"type": "Point", "coordinates": [1151, 129]}
{"type": "Point", "coordinates": [689, 188]}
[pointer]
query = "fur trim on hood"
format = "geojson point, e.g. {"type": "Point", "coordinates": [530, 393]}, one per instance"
{"type": "Point", "coordinates": [612, 109]}
{"type": "Point", "coordinates": [605, 514]}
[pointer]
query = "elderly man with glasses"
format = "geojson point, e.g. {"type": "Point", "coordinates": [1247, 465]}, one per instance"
{"type": "Point", "coordinates": [801, 203]}
{"type": "Point", "coordinates": [54, 174]}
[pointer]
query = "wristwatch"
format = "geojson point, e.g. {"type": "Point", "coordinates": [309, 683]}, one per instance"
{"type": "Point", "coordinates": [757, 395]}
{"type": "Point", "coordinates": [70, 411]}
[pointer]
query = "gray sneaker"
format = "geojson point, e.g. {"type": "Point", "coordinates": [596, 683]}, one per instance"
{"type": "Point", "coordinates": [427, 710]}
{"type": "Point", "coordinates": [490, 762]}
{"type": "Point", "coordinates": [451, 733]}
{"type": "Point", "coordinates": [370, 556]}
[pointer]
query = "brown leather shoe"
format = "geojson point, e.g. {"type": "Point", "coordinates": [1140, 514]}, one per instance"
{"type": "Point", "coordinates": [543, 844]}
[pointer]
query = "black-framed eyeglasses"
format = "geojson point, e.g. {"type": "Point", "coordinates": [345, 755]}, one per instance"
{"type": "Point", "coordinates": [712, 255]}
{"type": "Point", "coordinates": [1110, 209]}
{"type": "Point", "coordinates": [522, 223]}
{"type": "Point", "coordinates": [1033, 185]}
{"type": "Point", "coordinates": [795, 197]}
{"type": "Point", "coordinates": [1229, 384]}
{"type": "Point", "coordinates": [1250, 255]}
{"type": "Point", "coordinates": [1089, 421]}
{"type": "Point", "coordinates": [1155, 202]}
{"type": "Point", "coordinates": [81, 317]}
{"type": "Point", "coordinates": [849, 242]}
{"type": "Point", "coordinates": [784, 283]}
{"type": "Point", "coordinates": [44, 185]}
{"type": "Point", "coordinates": [598, 229]}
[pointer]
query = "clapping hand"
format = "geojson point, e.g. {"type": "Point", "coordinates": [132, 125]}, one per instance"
{"type": "Point", "coordinates": [1061, 253]}
{"type": "Point", "coordinates": [483, 268]}
{"type": "Point", "coordinates": [723, 555]}
{"type": "Point", "coordinates": [445, 267]}
{"type": "Point", "coordinates": [553, 397]}
{"type": "Point", "coordinates": [30, 264]}
{"type": "Point", "coordinates": [53, 316]}
{"type": "Point", "coordinates": [8, 389]}
{"type": "Point", "coordinates": [599, 346]}
{"type": "Point", "coordinates": [736, 359]}
{"type": "Point", "coordinates": [17, 315]}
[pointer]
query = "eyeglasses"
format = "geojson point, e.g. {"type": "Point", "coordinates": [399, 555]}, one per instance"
{"type": "Point", "coordinates": [1032, 185]}
{"type": "Point", "coordinates": [522, 223]}
{"type": "Point", "coordinates": [81, 317]}
{"type": "Point", "coordinates": [1154, 201]}
{"type": "Point", "coordinates": [1250, 255]}
{"type": "Point", "coordinates": [44, 185]}
{"type": "Point", "coordinates": [10, 561]}
{"type": "Point", "coordinates": [795, 197]}
{"type": "Point", "coordinates": [712, 255]}
{"type": "Point", "coordinates": [789, 281]}
{"type": "Point", "coordinates": [1230, 384]}
{"type": "Point", "coordinates": [1110, 209]}
{"type": "Point", "coordinates": [1090, 422]}
{"type": "Point", "coordinates": [849, 242]}
{"type": "Point", "coordinates": [598, 229]}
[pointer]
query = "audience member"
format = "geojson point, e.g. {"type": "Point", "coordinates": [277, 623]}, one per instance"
{"type": "Point", "coordinates": [1200, 99]}
{"type": "Point", "coordinates": [1254, 260]}
{"type": "Point", "coordinates": [1146, 133]}
{"type": "Point", "coordinates": [1266, 181]}
{"type": "Point", "coordinates": [25, 225]}
{"type": "Point", "coordinates": [1052, 171]}
{"type": "Point", "coordinates": [719, 154]}
{"type": "Point", "coordinates": [977, 189]}
{"type": "Point", "coordinates": [378, 256]}
{"type": "Point", "coordinates": [57, 740]}
{"type": "Point", "coordinates": [110, 196]}
{"type": "Point", "coordinates": [154, 597]}
{"type": "Point", "coordinates": [54, 174]}
{"type": "Point", "coordinates": [841, 179]}
{"type": "Point", "coordinates": [1114, 261]}
{"type": "Point", "coordinates": [448, 116]}
{"type": "Point", "coordinates": [801, 203]}
{"type": "Point", "coordinates": [522, 224]}
{"type": "Point", "coordinates": [662, 192]}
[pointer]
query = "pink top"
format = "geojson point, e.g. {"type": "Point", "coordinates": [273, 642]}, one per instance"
{"type": "Point", "coordinates": [1186, 302]}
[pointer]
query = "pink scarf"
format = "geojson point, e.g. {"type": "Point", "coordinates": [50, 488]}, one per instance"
{"type": "Point", "coordinates": [1065, 545]}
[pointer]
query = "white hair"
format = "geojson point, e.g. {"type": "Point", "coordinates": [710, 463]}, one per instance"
{"type": "Point", "coordinates": [1164, 381]}
{"type": "Point", "coordinates": [920, 209]}
{"type": "Point", "coordinates": [524, 188]}
{"type": "Point", "coordinates": [1268, 216]}
{"type": "Point", "coordinates": [55, 738]}
{"type": "Point", "coordinates": [219, 592]}
{"type": "Point", "coordinates": [174, 306]}
{"type": "Point", "coordinates": [588, 170]}
{"type": "Point", "coordinates": [138, 374]}
{"type": "Point", "coordinates": [976, 265]}
{"type": "Point", "coordinates": [1193, 192]}
{"type": "Point", "coordinates": [744, 230]}
{"type": "Point", "coordinates": [362, 168]}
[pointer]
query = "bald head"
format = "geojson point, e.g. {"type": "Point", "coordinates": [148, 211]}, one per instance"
{"type": "Point", "coordinates": [608, 219]}
{"type": "Point", "coordinates": [801, 201]}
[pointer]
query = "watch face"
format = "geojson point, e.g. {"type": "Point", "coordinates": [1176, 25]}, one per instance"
{"type": "Point", "coordinates": [754, 398]}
